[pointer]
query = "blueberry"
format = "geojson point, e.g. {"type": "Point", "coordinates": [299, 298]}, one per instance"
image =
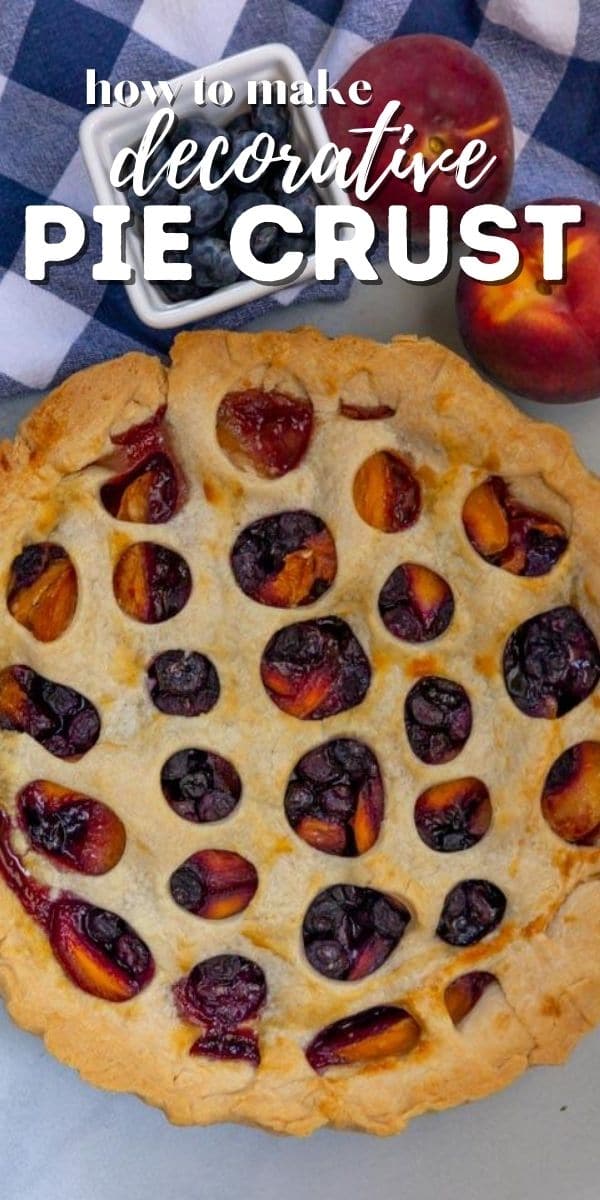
{"type": "Point", "coordinates": [212, 263]}
{"type": "Point", "coordinates": [264, 236]}
{"type": "Point", "coordinates": [180, 289]}
{"type": "Point", "coordinates": [239, 124]}
{"type": "Point", "coordinates": [237, 143]}
{"type": "Point", "coordinates": [303, 204]}
{"type": "Point", "coordinates": [208, 208]}
{"type": "Point", "coordinates": [273, 119]}
{"type": "Point", "coordinates": [195, 127]}
{"type": "Point", "coordinates": [162, 192]}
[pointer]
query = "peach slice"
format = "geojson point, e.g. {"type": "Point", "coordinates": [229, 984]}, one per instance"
{"type": "Point", "coordinates": [387, 494]}
{"type": "Point", "coordinates": [150, 486]}
{"type": "Point", "coordinates": [214, 884]}
{"type": "Point", "coordinates": [285, 560]}
{"type": "Point", "coordinates": [98, 950]}
{"type": "Point", "coordinates": [415, 603]}
{"type": "Point", "coordinates": [42, 590]}
{"type": "Point", "coordinates": [76, 832]}
{"type": "Point", "coordinates": [62, 720]}
{"type": "Point", "coordinates": [453, 816]}
{"type": "Point", "coordinates": [461, 996]}
{"type": "Point", "coordinates": [314, 669]}
{"type": "Point", "coordinates": [510, 535]}
{"type": "Point", "coordinates": [151, 582]}
{"type": "Point", "coordinates": [571, 796]}
{"type": "Point", "coordinates": [383, 1031]}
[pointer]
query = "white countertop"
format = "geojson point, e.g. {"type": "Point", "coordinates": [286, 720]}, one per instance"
{"type": "Point", "coordinates": [60, 1139]}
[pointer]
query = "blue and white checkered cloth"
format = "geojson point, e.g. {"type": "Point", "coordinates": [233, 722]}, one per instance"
{"type": "Point", "coordinates": [546, 52]}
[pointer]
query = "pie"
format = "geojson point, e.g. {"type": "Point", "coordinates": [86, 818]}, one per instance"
{"type": "Point", "coordinates": [300, 743]}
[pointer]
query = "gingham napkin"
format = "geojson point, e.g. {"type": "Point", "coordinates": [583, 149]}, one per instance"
{"type": "Point", "coordinates": [546, 52]}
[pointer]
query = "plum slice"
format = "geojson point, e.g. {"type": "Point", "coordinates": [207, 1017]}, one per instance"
{"type": "Point", "coordinates": [96, 948]}
{"type": "Point", "coordinates": [415, 603]}
{"type": "Point", "coordinates": [379, 1032]}
{"type": "Point", "coordinates": [453, 816]}
{"type": "Point", "coordinates": [62, 720]}
{"type": "Point", "coordinates": [472, 909]}
{"type": "Point", "coordinates": [387, 494]}
{"type": "Point", "coordinates": [149, 487]}
{"type": "Point", "coordinates": [183, 683]}
{"type": "Point", "coordinates": [334, 798]}
{"type": "Point", "coordinates": [348, 931]}
{"type": "Point", "coordinates": [551, 663]}
{"type": "Point", "coordinates": [464, 992]}
{"type": "Point", "coordinates": [315, 669]}
{"type": "Point", "coordinates": [286, 560]}
{"type": "Point", "coordinates": [571, 795]}
{"type": "Point", "coordinates": [75, 831]}
{"type": "Point", "coordinates": [214, 884]}
{"type": "Point", "coordinates": [151, 582]}
{"type": "Point", "coordinates": [42, 590]}
{"type": "Point", "coordinates": [510, 535]}
{"type": "Point", "coordinates": [438, 719]}
{"type": "Point", "coordinates": [264, 431]}
{"type": "Point", "coordinates": [200, 786]}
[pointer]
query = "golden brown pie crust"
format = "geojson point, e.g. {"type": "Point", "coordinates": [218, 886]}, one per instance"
{"type": "Point", "coordinates": [546, 953]}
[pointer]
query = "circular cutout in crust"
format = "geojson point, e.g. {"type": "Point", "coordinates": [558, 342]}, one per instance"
{"type": "Point", "coordinates": [42, 590]}
{"type": "Point", "coordinates": [287, 560]}
{"type": "Point", "coordinates": [315, 669]}
{"type": "Point", "coordinates": [334, 798]}
{"type": "Point", "coordinates": [151, 582]}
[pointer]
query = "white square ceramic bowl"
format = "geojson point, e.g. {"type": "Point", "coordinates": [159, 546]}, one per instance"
{"type": "Point", "coordinates": [105, 130]}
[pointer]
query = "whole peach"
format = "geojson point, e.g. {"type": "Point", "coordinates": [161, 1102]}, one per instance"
{"type": "Point", "coordinates": [537, 338]}
{"type": "Point", "coordinates": [450, 96]}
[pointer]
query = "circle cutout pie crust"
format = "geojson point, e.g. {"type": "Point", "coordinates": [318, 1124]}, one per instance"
{"type": "Point", "coordinates": [98, 963]}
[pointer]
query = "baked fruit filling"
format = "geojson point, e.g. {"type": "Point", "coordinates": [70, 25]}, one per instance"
{"type": "Point", "coordinates": [415, 603]}
{"type": "Point", "coordinates": [222, 994]}
{"type": "Point", "coordinates": [264, 432]}
{"type": "Point", "coordinates": [200, 786]}
{"type": "Point", "coordinates": [438, 719]}
{"type": "Point", "coordinates": [149, 486]}
{"type": "Point", "coordinates": [571, 795]}
{"type": "Point", "coordinates": [286, 560]}
{"type": "Point", "coordinates": [410, 776]}
{"type": "Point", "coordinates": [453, 816]}
{"type": "Point", "coordinates": [387, 493]}
{"type": "Point", "coordinates": [151, 583]}
{"type": "Point", "coordinates": [510, 535]}
{"type": "Point", "coordinates": [348, 931]}
{"type": "Point", "coordinates": [96, 948]}
{"type": "Point", "coordinates": [62, 720]}
{"type": "Point", "coordinates": [214, 884]}
{"type": "Point", "coordinates": [315, 669]}
{"type": "Point", "coordinates": [380, 1032]}
{"type": "Point", "coordinates": [334, 799]}
{"type": "Point", "coordinates": [76, 832]}
{"type": "Point", "coordinates": [551, 663]}
{"type": "Point", "coordinates": [42, 590]}
{"type": "Point", "coordinates": [183, 683]}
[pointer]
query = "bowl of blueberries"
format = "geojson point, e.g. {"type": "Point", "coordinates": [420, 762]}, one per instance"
{"type": "Point", "coordinates": [216, 283]}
